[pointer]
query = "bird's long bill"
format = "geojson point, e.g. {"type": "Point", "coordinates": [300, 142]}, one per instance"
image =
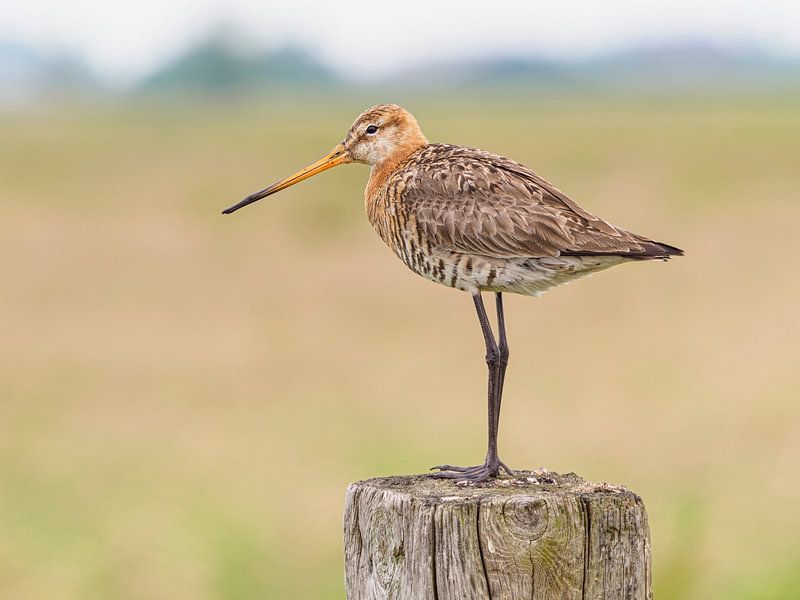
{"type": "Point", "coordinates": [337, 156]}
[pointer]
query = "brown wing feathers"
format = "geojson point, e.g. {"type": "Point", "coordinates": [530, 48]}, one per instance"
{"type": "Point", "coordinates": [473, 201]}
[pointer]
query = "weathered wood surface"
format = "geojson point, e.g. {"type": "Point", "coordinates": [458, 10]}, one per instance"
{"type": "Point", "coordinates": [539, 535]}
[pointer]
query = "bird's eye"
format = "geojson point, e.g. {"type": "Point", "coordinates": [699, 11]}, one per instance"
{"type": "Point", "coordinates": [372, 129]}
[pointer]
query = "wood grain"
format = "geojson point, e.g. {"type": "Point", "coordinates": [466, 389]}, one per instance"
{"type": "Point", "coordinates": [540, 535]}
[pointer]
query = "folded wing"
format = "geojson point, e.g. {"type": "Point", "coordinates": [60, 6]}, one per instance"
{"type": "Point", "coordinates": [472, 201]}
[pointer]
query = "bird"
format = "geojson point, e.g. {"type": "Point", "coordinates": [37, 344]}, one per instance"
{"type": "Point", "coordinates": [476, 222]}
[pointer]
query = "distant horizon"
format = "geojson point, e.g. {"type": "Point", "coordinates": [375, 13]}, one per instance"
{"type": "Point", "coordinates": [684, 55]}
{"type": "Point", "coordinates": [359, 40]}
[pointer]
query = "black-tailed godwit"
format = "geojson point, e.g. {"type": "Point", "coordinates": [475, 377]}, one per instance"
{"type": "Point", "coordinates": [476, 222]}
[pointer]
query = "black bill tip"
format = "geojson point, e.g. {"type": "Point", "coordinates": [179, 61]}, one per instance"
{"type": "Point", "coordinates": [249, 200]}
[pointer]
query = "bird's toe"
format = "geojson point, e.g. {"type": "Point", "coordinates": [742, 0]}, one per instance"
{"type": "Point", "coordinates": [476, 474]}
{"type": "Point", "coordinates": [454, 468]}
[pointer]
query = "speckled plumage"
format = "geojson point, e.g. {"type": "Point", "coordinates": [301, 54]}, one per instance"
{"type": "Point", "coordinates": [470, 219]}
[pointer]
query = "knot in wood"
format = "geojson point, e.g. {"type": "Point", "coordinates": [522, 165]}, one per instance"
{"type": "Point", "coordinates": [525, 519]}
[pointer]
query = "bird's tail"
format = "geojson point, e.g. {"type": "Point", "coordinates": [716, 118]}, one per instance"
{"type": "Point", "coordinates": [647, 250]}
{"type": "Point", "coordinates": [654, 250]}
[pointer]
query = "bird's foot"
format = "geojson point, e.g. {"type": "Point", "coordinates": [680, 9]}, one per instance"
{"type": "Point", "coordinates": [489, 469]}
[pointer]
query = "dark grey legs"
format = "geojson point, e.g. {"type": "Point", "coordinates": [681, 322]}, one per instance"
{"type": "Point", "coordinates": [496, 361]}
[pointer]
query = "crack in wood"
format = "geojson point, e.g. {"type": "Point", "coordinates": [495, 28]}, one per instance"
{"type": "Point", "coordinates": [480, 551]}
{"type": "Point", "coordinates": [434, 583]}
{"type": "Point", "coordinates": [587, 533]}
{"type": "Point", "coordinates": [533, 579]}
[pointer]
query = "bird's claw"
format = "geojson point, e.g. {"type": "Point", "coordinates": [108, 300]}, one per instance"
{"type": "Point", "coordinates": [475, 474]}
{"type": "Point", "coordinates": [453, 468]}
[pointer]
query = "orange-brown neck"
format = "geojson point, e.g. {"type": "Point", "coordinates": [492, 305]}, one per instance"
{"type": "Point", "coordinates": [383, 170]}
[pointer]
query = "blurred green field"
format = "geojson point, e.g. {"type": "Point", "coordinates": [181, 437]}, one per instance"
{"type": "Point", "coordinates": [185, 396]}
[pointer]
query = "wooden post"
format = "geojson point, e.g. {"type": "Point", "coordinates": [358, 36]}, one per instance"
{"type": "Point", "coordinates": [539, 535]}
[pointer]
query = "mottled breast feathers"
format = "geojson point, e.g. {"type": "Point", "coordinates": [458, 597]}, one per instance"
{"type": "Point", "coordinates": [471, 201]}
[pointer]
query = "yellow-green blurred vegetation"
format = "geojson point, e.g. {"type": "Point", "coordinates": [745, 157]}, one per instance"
{"type": "Point", "coordinates": [185, 395]}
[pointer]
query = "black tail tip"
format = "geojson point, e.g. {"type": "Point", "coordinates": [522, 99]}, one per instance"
{"type": "Point", "coordinates": [670, 250]}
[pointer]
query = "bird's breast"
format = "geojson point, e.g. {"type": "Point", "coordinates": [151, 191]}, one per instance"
{"type": "Point", "coordinates": [397, 226]}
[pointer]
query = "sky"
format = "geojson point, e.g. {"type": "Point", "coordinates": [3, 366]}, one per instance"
{"type": "Point", "coordinates": [126, 39]}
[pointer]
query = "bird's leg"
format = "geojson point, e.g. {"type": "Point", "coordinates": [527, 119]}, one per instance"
{"type": "Point", "coordinates": [501, 376]}
{"type": "Point", "coordinates": [496, 361]}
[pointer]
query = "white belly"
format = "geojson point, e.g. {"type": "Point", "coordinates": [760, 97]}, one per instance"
{"type": "Point", "coordinates": [526, 276]}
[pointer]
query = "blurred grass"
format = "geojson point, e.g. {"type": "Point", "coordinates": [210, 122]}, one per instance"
{"type": "Point", "coordinates": [185, 396]}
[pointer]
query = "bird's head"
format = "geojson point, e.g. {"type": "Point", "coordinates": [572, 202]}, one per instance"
{"type": "Point", "coordinates": [383, 133]}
